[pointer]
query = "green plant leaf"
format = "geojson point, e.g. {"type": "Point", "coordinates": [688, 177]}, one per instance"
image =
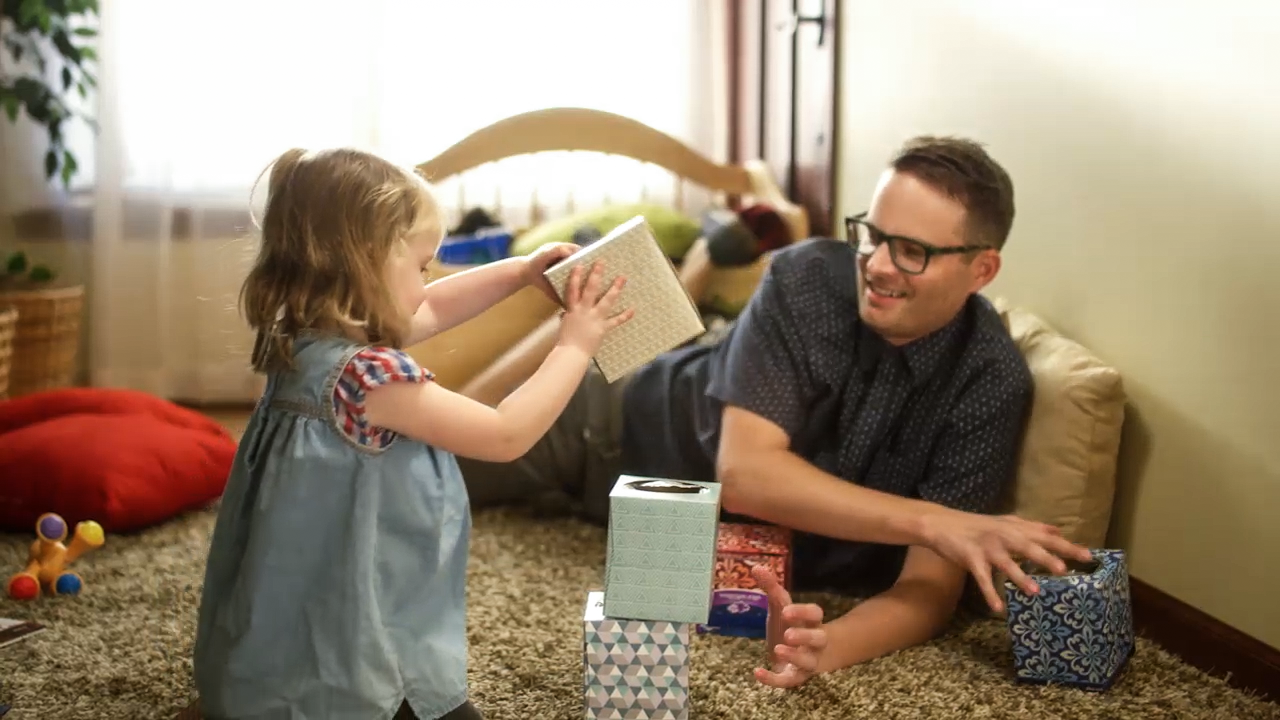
{"type": "Point", "coordinates": [11, 105]}
{"type": "Point", "coordinates": [30, 11]}
{"type": "Point", "coordinates": [16, 264]}
{"type": "Point", "coordinates": [86, 32]}
{"type": "Point", "coordinates": [69, 167]}
{"type": "Point", "coordinates": [50, 163]}
{"type": "Point", "coordinates": [41, 273]}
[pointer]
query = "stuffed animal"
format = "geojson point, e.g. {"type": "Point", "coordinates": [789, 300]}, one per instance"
{"type": "Point", "coordinates": [49, 558]}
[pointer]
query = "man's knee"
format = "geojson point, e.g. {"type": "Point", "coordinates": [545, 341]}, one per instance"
{"type": "Point", "coordinates": [546, 478]}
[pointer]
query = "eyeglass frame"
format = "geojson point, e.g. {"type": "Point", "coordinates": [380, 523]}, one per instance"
{"type": "Point", "coordinates": [929, 250]}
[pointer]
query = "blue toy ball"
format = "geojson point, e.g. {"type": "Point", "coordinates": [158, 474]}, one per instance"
{"type": "Point", "coordinates": [68, 584]}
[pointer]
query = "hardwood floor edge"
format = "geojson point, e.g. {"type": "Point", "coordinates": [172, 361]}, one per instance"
{"type": "Point", "coordinates": [1205, 642]}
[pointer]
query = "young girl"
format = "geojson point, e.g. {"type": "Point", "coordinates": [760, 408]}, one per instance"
{"type": "Point", "coordinates": [335, 584]}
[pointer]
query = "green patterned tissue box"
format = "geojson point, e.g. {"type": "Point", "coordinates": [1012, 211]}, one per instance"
{"type": "Point", "coordinates": [634, 668]}
{"type": "Point", "coordinates": [662, 549]}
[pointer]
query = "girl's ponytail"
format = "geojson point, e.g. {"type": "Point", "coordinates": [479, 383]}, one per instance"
{"type": "Point", "coordinates": [282, 170]}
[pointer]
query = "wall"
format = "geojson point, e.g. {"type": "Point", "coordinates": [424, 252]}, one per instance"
{"type": "Point", "coordinates": [1144, 141]}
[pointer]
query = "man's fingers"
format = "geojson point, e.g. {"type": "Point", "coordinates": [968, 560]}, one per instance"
{"type": "Point", "coordinates": [1045, 559]}
{"type": "Point", "coordinates": [788, 678]}
{"type": "Point", "coordinates": [1065, 548]}
{"type": "Point", "coordinates": [807, 615]}
{"type": "Point", "coordinates": [801, 658]}
{"type": "Point", "coordinates": [814, 638]}
{"type": "Point", "coordinates": [982, 574]}
{"type": "Point", "coordinates": [1019, 578]}
{"type": "Point", "coordinates": [768, 582]}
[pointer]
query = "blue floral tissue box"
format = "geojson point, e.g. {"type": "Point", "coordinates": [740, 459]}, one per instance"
{"type": "Point", "coordinates": [1078, 631]}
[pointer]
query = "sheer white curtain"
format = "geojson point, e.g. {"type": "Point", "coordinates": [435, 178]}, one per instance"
{"type": "Point", "coordinates": [196, 98]}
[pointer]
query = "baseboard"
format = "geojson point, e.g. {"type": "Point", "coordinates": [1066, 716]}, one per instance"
{"type": "Point", "coordinates": [1205, 642]}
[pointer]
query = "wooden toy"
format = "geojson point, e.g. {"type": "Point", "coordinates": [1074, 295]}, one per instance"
{"type": "Point", "coordinates": [49, 558]}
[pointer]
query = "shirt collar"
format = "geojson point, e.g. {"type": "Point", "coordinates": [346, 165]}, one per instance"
{"type": "Point", "coordinates": [922, 357]}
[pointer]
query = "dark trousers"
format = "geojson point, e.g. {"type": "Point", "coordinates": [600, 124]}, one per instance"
{"type": "Point", "coordinates": [570, 470]}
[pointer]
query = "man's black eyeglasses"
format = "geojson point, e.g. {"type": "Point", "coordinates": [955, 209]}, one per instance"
{"type": "Point", "coordinates": [909, 255]}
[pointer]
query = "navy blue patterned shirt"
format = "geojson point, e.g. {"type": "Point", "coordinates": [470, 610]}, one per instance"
{"type": "Point", "coordinates": [940, 418]}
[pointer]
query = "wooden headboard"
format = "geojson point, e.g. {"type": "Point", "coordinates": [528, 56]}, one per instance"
{"type": "Point", "coordinates": [586, 130]}
{"type": "Point", "coordinates": [455, 356]}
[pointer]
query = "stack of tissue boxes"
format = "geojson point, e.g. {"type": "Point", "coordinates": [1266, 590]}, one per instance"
{"type": "Point", "coordinates": [658, 578]}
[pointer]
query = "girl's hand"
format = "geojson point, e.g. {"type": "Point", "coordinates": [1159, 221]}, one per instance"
{"type": "Point", "coordinates": [589, 315]}
{"type": "Point", "coordinates": [544, 257]}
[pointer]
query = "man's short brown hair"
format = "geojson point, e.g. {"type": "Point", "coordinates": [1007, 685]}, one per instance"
{"type": "Point", "coordinates": [963, 170]}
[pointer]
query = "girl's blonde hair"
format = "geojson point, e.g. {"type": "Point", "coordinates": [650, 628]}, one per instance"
{"type": "Point", "coordinates": [332, 218]}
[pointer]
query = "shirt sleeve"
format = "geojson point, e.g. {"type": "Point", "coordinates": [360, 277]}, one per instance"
{"type": "Point", "coordinates": [977, 455]}
{"type": "Point", "coordinates": [764, 366]}
{"type": "Point", "coordinates": [370, 368]}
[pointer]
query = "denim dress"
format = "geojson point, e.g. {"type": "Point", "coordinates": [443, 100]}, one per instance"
{"type": "Point", "coordinates": [336, 578]}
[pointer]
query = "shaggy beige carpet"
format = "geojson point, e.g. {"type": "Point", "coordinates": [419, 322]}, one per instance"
{"type": "Point", "coordinates": [121, 650]}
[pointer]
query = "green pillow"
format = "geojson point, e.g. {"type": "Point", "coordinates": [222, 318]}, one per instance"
{"type": "Point", "coordinates": [674, 230]}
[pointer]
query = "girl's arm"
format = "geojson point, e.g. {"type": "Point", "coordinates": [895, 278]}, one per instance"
{"type": "Point", "coordinates": [442, 418]}
{"type": "Point", "coordinates": [457, 298]}
{"type": "Point", "coordinates": [450, 421]}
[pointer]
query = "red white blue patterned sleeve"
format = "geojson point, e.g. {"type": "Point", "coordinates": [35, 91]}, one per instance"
{"type": "Point", "coordinates": [368, 369]}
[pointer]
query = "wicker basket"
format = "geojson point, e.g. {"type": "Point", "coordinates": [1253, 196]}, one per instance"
{"type": "Point", "coordinates": [47, 337]}
{"type": "Point", "coordinates": [8, 325]}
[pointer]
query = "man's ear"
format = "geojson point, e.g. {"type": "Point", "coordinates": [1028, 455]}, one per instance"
{"type": "Point", "coordinates": [984, 268]}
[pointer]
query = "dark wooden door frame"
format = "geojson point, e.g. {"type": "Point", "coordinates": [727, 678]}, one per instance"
{"type": "Point", "coordinates": [782, 96]}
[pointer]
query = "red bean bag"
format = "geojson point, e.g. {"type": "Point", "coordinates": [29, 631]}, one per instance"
{"type": "Point", "coordinates": [123, 458]}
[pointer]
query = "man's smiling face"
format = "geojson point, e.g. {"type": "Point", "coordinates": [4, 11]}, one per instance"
{"type": "Point", "coordinates": [902, 306]}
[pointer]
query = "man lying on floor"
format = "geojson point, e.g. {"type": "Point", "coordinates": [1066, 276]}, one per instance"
{"type": "Point", "coordinates": [867, 398]}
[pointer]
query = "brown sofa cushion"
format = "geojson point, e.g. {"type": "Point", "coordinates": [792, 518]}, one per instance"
{"type": "Point", "coordinates": [1067, 467]}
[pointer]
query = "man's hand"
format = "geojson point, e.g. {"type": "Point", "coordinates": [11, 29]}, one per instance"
{"type": "Point", "coordinates": [544, 257]}
{"type": "Point", "coordinates": [794, 638]}
{"type": "Point", "coordinates": [983, 543]}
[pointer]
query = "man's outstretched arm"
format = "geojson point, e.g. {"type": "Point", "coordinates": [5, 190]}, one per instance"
{"type": "Point", "coordinates": [763, 479]}
{"type": "Point", "coordinates": [914, 610]}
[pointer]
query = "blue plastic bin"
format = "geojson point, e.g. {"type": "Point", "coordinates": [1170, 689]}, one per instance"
{"type": "Point", "coordinates": [479, 248]}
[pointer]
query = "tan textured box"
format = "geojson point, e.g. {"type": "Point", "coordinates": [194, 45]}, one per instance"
{"type": "Point", "coordinates": [665, 315]}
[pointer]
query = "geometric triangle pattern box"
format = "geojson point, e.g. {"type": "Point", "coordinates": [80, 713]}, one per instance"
{"type": "Point", "coordinates": [634, 669]}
